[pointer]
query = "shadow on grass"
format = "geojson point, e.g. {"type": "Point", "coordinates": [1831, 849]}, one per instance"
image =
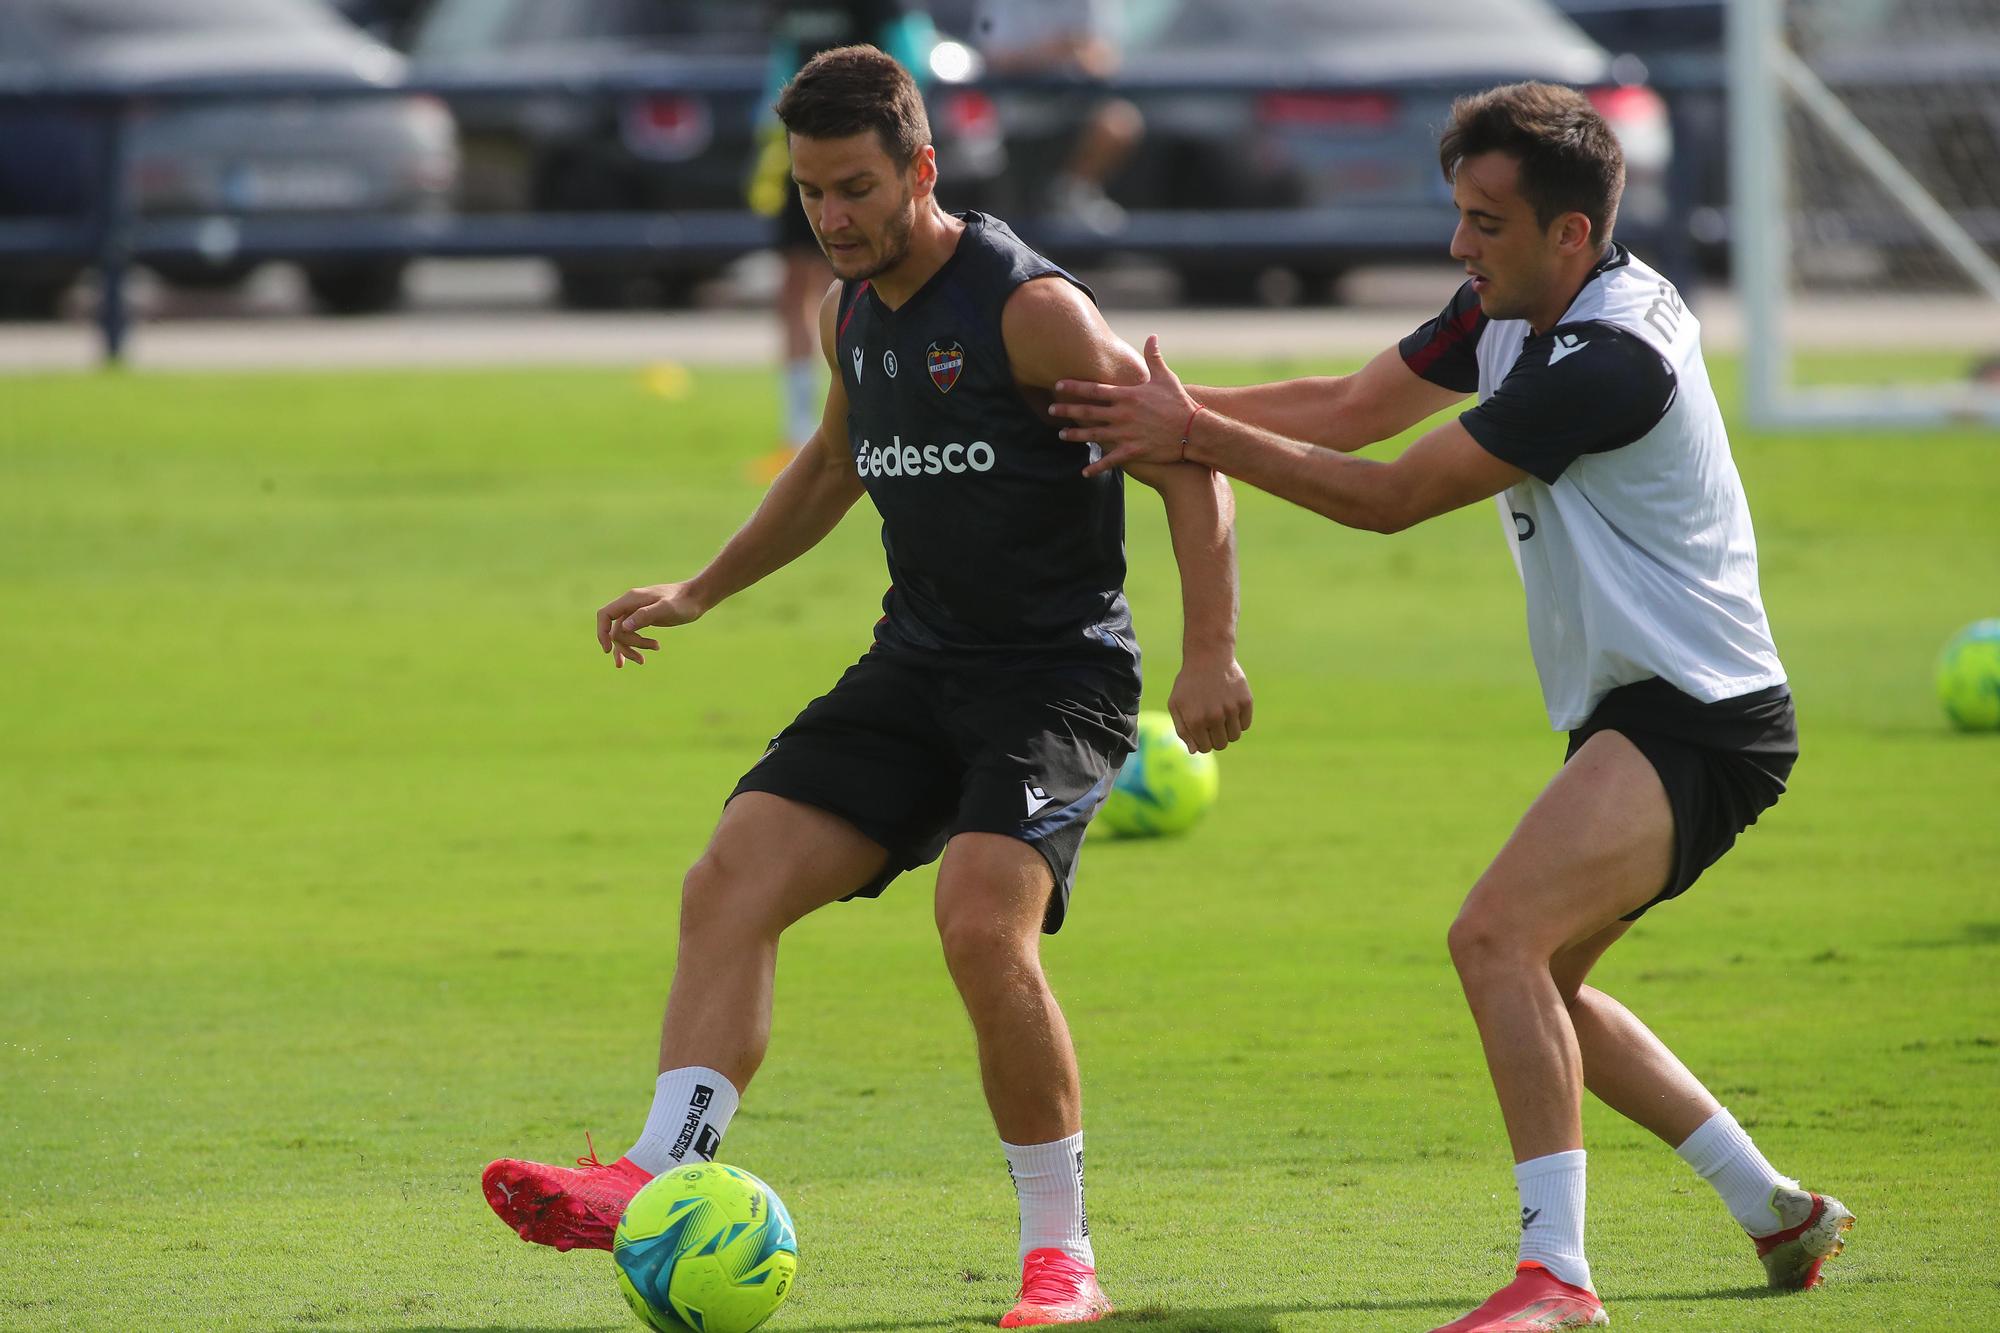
{"type": "Point", "coordinates": [622, 1326]}
{"type": "Point", "coordinates": [1757, 1293]}
{"type": "Point", "coordinates": [1263, 1317]}
{"type": "Point", "coordinates": [1258, 1318]}
{"type": "Point", "coordinates": [1251, 1318]}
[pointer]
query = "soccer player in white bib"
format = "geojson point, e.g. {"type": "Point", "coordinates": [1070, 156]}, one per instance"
{"type": "Point", "coordinates": [1597, 432]}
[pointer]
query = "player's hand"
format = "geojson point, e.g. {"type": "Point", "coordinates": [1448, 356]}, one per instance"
{"type": "Point", "coordinates": [620, 620]}
{"type": "Point", "coordinates": [1210, 703]}
{"type": "Point", "coordinates": [1136, 423]}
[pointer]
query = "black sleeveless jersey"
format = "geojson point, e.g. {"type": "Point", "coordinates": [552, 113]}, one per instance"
{"type": "Point", "coordinates": [999, 548]}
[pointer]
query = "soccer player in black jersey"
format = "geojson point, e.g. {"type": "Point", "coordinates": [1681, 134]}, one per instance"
{"type": "Point", "coordinates": [988, 718]}
{"type": "Point", "coordinates": [1597, 428]}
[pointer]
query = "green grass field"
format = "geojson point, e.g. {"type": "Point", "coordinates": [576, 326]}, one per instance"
{"type": "Point", "coordinates": [335, 861]}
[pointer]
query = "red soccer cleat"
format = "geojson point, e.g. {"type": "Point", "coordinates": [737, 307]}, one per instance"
{"type": "Point", "coordinates": [1534, 1301]}
{"type": "Point", "coordinates": [569, 1208]}
{"type": "Point", "coordinates": [1792, 1257]}
{"type": "Point", "coordinates": [1056, 1289]}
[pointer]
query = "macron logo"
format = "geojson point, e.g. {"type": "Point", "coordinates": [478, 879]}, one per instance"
{"type": "Point", "coordinates": [1037, 798]}
{"type": "Point", "coordinates": [1565, 345]}
{"type": "Point", "coordinates": [857, 364]}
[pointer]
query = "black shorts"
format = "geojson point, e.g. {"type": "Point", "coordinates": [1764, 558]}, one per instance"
{"type": "Point", "coordinates": [794, 231]}
{"type": "Point", "coordinates": [1722, 763]}
{"type": "Point", "coordinates": [912, 752]}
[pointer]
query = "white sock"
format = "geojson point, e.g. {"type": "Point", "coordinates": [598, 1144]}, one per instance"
{"type": "Point", "coordinates": [1048, 1181]}
{"type": "Point", "coordinates": [1723, 1155]}
{"type": "Point", "coordinates": [802, 408]}
{"type": "Point", "coordinates": [1552, 1214]}
{"type": "Point", "coordinates": [691, 1111]}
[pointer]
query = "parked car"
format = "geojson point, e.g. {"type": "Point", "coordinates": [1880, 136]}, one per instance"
{"type": "Point", "coordinates": [1316, 118]}
{"type": "Point", "coordinates": [662, 152]}
{"type": "Point", "coordinates": [391, 21]}
{"type": "Point", "coordinates": [232, 159]}
{"type": "Point", "coordinates": [1320, 131]}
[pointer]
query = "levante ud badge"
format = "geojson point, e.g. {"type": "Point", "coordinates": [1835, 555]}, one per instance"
{"type": "Point", "coordinates": [945, 361]}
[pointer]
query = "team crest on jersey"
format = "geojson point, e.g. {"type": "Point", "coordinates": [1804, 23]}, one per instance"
{"type": "Point", "coordinates": [946, 360]}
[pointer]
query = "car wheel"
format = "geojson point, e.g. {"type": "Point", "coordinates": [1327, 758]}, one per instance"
{"type": "Point", "coordinates": [673, 289]}
{"type": "Point", "coordinates": [203, 277]}
{"type": "Point", "coordinates": [581, 287]}
{"type": "Point", "coordinates": [356, 288]}
{"type": "Point", "coordinates": [565, 185]}
{"type": "Point", "coordinates": [1232, 286]}
{"type": "Point", "coordinates": [32, 298]}
{"type": "Point", "coordinates": [1320, 284]}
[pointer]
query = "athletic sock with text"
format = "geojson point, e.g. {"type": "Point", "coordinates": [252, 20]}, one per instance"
{"type": "Point", "coordinates": [691, 1111]}
{"type": "Point", "coordinates": [1048, 1181]}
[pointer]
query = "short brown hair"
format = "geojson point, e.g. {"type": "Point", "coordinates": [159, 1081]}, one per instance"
{"type": "Point", "coordinates": [852, 89]}
{"type": "Point", "coordinates": [1570, 159]}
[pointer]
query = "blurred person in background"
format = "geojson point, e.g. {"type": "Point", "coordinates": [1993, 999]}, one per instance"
{"type": "Point", "coordinates": [801, 29]}
{"type": "Point", "coordinates": [1073, 39]}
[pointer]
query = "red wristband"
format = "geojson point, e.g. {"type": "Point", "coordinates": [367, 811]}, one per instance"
{"type": "Point", "coordinates": [1199, 408]}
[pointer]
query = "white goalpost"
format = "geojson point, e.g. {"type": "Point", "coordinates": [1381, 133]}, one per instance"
{"type": "Point", "coordinates": [1864, 141]}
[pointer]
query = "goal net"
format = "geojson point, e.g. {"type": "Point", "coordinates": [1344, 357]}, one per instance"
{"type": "Point", "coordinates": [1865, 208]}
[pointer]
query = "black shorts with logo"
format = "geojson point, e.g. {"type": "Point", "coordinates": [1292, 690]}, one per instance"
{"type": "Point", "coordinates": [1723, 764]}
{"type": "Point", "coordinates": [913, 751]}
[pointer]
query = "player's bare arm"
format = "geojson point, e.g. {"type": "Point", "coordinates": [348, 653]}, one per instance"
{"type": "Point", "coordinates": [1341, 412]}
{"type": "Point", "coordinates": [1054, 332]}
{"type": "Point", "coordinates": [1345, 412]}
{"type": "Point", "coordinates": [804, 503]}
{"type": "Point", "coordinates": [1445, 469]}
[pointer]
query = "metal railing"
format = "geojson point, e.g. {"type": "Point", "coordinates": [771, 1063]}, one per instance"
{"type": "Point", "coordinates": [116, 236]}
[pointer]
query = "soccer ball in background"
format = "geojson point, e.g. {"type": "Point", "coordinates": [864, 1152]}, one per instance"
{"type": "Point", "coordinates": [1968, 678]}
{"type": "Point", "coordinates": [1163, 787]}
{"type": "Point", "coordinates": [705, 1249]}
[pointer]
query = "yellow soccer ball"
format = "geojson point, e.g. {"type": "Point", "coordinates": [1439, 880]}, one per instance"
{"type": "Point", "coordinates": [1163, 788]}
{"type": "Point", "coordinates": [705, 1249]}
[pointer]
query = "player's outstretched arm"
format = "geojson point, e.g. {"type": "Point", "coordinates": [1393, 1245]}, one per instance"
{"type": "Point", "coordinates": [803, 505]}
{"type": "Point", "coordinates": [1053, 331]}
{"type": "Point", "coordinates": [1159, 421]}
{"type": "Point", "coordinates": [1340, 412]}
{"type": "Point", "coordinates": [1346, 412]}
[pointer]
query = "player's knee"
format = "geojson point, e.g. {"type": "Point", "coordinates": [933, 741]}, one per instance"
{"type": "Point", "coordinates": [715, 905]}
{"type": "Point", "coordinates": [701, 898]}
{"type": "Point", "coordinates": [1477, 941]}
{"type": "Point", "coordinates": [979, 947]}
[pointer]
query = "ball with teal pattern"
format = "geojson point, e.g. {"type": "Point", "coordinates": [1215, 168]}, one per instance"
{"type": "Point", "coordinates": [708, 1248]}
{"type": "Point", "coordinates": [1968, 677]}
{"type": "Point", "coordinates": [1163, 787]}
